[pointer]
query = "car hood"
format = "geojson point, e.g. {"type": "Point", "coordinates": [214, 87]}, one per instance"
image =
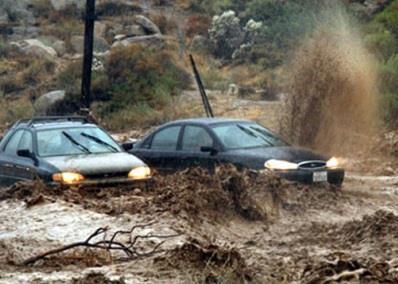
{"type": "Point", "coordinates": [93, 164]}
{"type": "Point", "coordinates": [287, 153]}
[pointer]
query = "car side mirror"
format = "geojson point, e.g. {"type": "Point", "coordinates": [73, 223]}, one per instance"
{"type": "Point", "coordinates": [127, 146]}
{"type": "Point", "coordinates": [24, 153]}
{"type": "Point", "coordinates": [213, 151]}
{"type": "Point", "coordinates": [28, 154]}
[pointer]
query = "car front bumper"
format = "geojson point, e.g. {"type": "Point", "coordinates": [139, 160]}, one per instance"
{"type": "Point", "coordinates": [334, 176]}
{"type": "Point", "coordinates": [107, 182]}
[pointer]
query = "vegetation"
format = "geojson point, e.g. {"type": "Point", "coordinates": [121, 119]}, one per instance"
{"type": "Point", "coordinates": [382, 40]}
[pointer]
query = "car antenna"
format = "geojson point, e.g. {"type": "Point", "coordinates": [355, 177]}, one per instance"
{"type": "Point", "coordinates": [205, 99]}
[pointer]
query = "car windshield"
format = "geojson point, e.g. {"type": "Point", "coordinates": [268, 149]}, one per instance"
{"type": "Point", "coordinates": [246, 135]}
{"type": "Point", "coordinates": [74, 141]}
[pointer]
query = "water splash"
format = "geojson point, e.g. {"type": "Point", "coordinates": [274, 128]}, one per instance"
{"type": "Point", "coordinates": [332, 104]}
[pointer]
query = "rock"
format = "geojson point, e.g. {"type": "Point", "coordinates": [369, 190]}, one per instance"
{"type": "Point", "coordinates": [58, 45]}
{"type": "Point", "coordinates": [44, 103]}
{"type": "Point", "coordinates": [119, 37]}
{"type": "Point", "coordinates": [35, 47]}
{"type": "Point", "coordinates": [16, 11]}
{"type": "Point", "coordinates": [59, 5]}
{"type": "Point", "coordinates": [148, 26]}
{"type": "Point", "coordinates": [23, 32]}
{"type": "Point", "coordinates": [100, 29]}
{"type": "Point", "coordinates": [134, 30]}
{"type": "Point", "coordinates": [3, 18]}
{"type": "Point", "coordinates": [152, 40]}
{"type": "Point", "coordinates": [368, 8]}
{"type": "Point", "coordinates": [100, 44]}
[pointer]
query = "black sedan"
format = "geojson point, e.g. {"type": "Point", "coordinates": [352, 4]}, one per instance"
{"type": "Point", "coordinates": [206, 142]}
{"type": "Point", "coordinates": [65, 150]}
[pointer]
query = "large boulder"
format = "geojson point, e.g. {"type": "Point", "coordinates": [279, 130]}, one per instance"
{"type": "Point", "coordinates": [58, 45]}
{"type": "Point", "coordinates": [134, 30]}
{"type": "Point", "coordinates": [148, 26]}
{"type": "Point", "coordinates": [35, 47]}
{"type": "Point", "coordinates": [45, 102]}
{"type": "Point", "coordinates": [149, 40]}
{"type": "Point", "coordinates": [100, 44]}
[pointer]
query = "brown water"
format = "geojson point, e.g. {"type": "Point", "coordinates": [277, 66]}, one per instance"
{"type": "Point", "coordinates": [332, 102]}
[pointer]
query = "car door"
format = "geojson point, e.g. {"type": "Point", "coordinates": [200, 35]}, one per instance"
{"type": "Point", "coordinates": [194, 137]}
{"type": "Point", "coordinates": [160, 151]}
{"type": "Point", "coordinates": [12, 167]}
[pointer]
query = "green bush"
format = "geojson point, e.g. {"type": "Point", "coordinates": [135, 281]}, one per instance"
{"type": "Point", "coordinates": [389, 78]}
{"type": "Point", "coordinates": [140, 76]}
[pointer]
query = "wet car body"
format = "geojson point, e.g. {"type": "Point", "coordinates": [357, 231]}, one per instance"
{"type": "Point", "coordinates": [172, 155]}
{"type": "Point", "coordinates": [28, 151]}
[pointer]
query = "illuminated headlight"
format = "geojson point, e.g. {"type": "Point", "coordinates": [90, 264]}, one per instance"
{"type": "Point", "coordinates": [280, 165]}
{"type": "Point", "coordinates": [140, 173]}
{"type": "Point", "coordinates": [68, 178]}
{"type": "Point", "coordinates": [332, 163]}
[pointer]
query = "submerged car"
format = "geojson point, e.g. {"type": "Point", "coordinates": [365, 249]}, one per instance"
{"type": "Point", "coordinates": [206, 142]}
{"type": "Point", "coordinates": [66, 150]}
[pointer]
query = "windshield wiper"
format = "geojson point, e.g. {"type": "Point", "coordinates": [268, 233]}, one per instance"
{"type": "Point", "coordinates": [74, 142]}
{"type": "Point", "coordinates": [262, 135]}
{"type": "Point", "coordinates": [253, 134]}
{"type": "Point", "coordinates": [99, 141]}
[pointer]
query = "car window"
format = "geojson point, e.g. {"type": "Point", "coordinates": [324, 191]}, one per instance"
{"type": "Point", "coordinates": [195, 137]}
{"type": "Point", "coordinates": [12, 144]}
{"type": "Point", "coordinates": [74, 141]}
{"type": "Point", "coordinates": [26, 142]}
{"type": "Point", "coordinates": [166, 139]}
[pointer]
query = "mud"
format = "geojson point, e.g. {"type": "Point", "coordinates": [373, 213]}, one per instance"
{"type": "Point", "coordinates": [293, 233]}
{"type": "Point", "coordinates": [194, 192]}
{"type": "Point", "coordinates": [208, 262]}
{"type": "Point", "coordinates": [96, 278]}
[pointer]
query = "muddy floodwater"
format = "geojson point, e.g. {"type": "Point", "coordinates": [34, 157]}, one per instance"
{"type": "Point", "coordinates": [231, 228]}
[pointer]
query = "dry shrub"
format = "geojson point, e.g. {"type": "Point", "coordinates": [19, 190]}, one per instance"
{"type": "Point", "coordinates": [167, 24]}
{"type": "Point", "coordinates": [332, 91]}
{"type": "Point", "coordinates": [197, 25]}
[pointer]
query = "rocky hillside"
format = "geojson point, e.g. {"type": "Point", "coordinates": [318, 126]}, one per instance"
{"type": "Point", "coordinates": [141, 51]}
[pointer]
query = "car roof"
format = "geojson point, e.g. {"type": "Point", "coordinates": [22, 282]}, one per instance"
{"type": "Point", "coordinates": [40, 123]}
{"type": "Point", "coordinates": [206, 121]}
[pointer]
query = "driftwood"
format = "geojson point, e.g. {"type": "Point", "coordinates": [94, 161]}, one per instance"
{"type": "Point", "coordinates": [112, 244]}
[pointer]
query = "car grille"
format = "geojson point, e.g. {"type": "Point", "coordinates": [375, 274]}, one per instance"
{"type": "Point", "coordinates": [312, 165]}
{"type": "Point", "coordinates": [108, 176]}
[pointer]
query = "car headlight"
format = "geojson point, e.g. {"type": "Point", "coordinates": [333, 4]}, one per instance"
{"type": "Point", "coordinates": [332, 163]}
{"type": "Point", "coordinates": [140, 173]}
{"type": "Point", "coordinates": [68, 178]}
{"type": "Point", "coordinates": [280, 165]}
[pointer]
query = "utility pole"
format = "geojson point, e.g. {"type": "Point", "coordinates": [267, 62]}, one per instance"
{"type": "Point", "coordinates": [88, 53]}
